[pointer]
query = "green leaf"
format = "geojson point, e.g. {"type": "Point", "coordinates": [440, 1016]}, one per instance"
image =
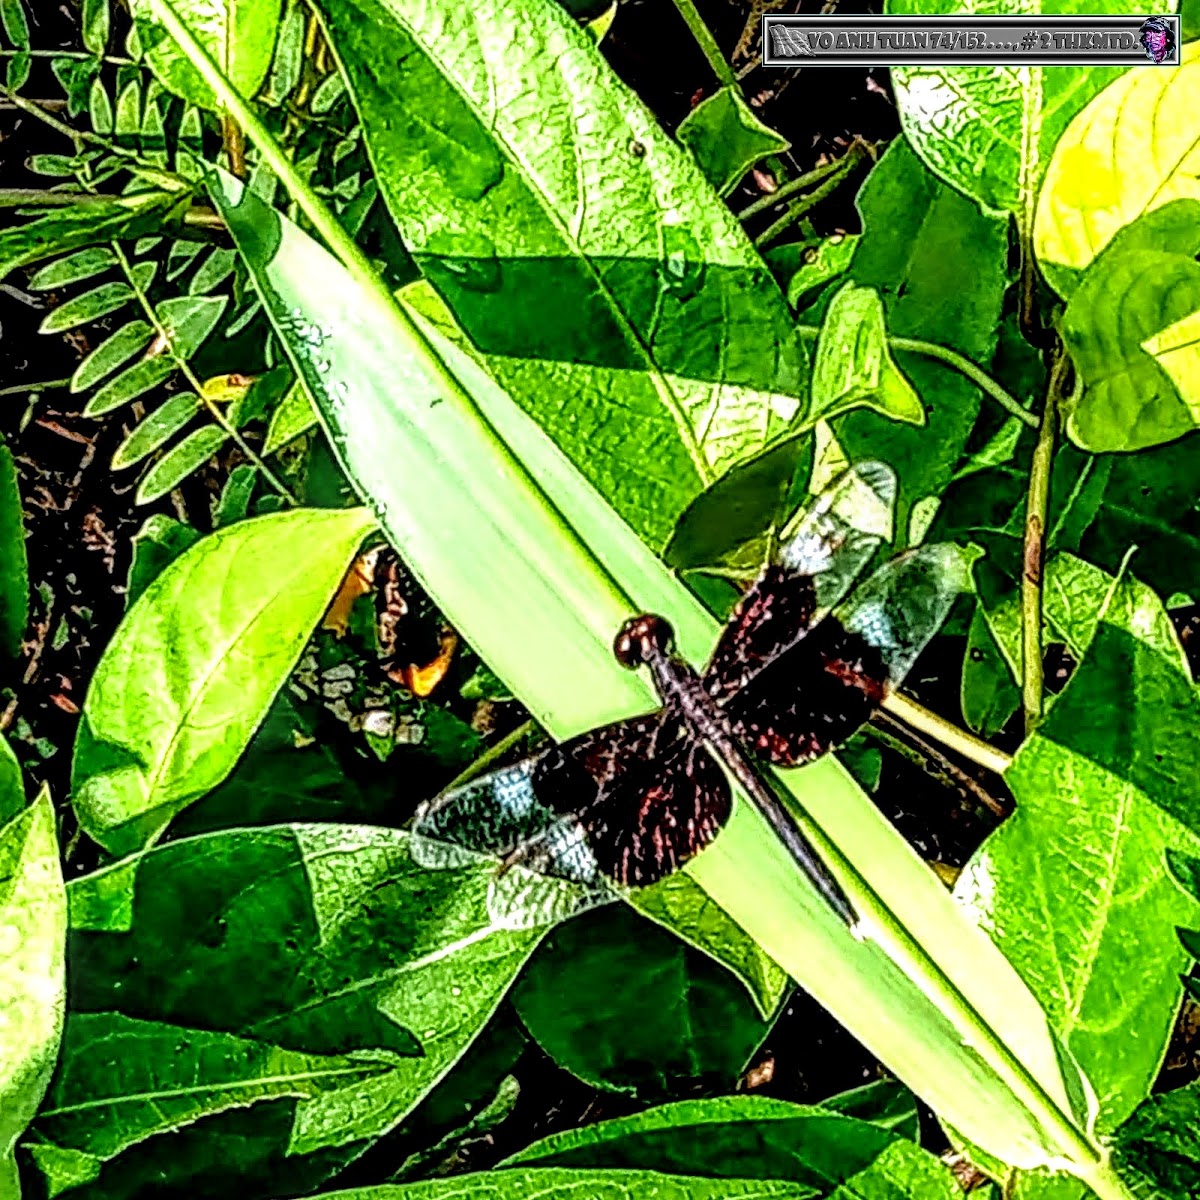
{"type": "Point", "coordinates": [1074, 886]}
{"type": "Point", "coordinates": [180, 461]}
{"type": "Point", "coordinates": [235, 496]}
{"type": "Point", "coordinates": [821, 263]}
{"type": "Point", "coordinates": [74, 268]}
{"type": "Point", "coordinates": [727, 138]}
{"type": "Point", "coordinates": [12, 18]}
{"type": "Point", "coordinates": [94, 25]}
{"type": "Point", "coordinates": [115, 350]}
{"type": "Point", "coordinates": [193, 667]}
{"type": "Point", "coordinates": [293, 417]}
{"type": "Point", "coordinates": [238, 34]}
{"type": "Point", "coordinates": [989, 695]}
{"type": "Point", "coordinates": [213, 271]}
{"type": "Point", "coordinates": [658, 1017]}
{"type": "Point", "coordinates": [100, 108]}
{"type": "Point", "coordinates": [988, 131]}
{"type": "Point", "coordinates": [12, 792]}
{"type": "Point", "coordinates": [1158, 1149]}
{"type": "Point", "coordinates": [157, 429]}
{"type": "Point", "coordinates": [940, 265]}
{"type": "Point", "coordinates": [577, 245]}
{"type": "Point", "coordinates": [90, 306]}
{"type": "Point", "coordinates": [854, 367]}
{"type": "Point", "coordinates": [128, 118]}
{"type": "Point", "coordinates": [819, 1152]}
{"type": "Point", "coordinates": [17, 73]}
{"type": "Point", "coordinates": [14, 566]}
{"type": "Point", "coordinates": [385, 970]}
{"type": "Point", "coordinates": [160, 541]}
{"type": "Point", "coordinates": [136, 380]}
{"type": "Point", "coordinates": [33, 916]}
{"type": "Point", "coordinates": [1126, 327]}
{"type": "Point", "coordinates": [1130, 151]}
{"type": "Point", "coordinates": [384, 399]}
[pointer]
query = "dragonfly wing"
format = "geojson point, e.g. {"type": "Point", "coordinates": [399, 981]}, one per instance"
{"type": "Point", "coordinates": [811, 698]}
{"type": "Point", "coordinates": [658, 814]}
{"type": "Point", "coordinates": [824, 553]}
{"type": "Point", "coordinates": [900, 608]}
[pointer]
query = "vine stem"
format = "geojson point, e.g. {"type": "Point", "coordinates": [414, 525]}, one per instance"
{"type": "Point", "coordinates": [707, 43]}
{"type": "Point", "coordinates": [806, 203]}
{"type": "Point", "coordinates": [474, 769]}
{"type": "Point", "coordinates": [789, 189]}
{"type": "Point", "coordinates": [185, 369]}
{"type": "Point", "coordinates": [973, 749]}
{"type": "Point", "coordinates": [980, 378]}
{"type": "Point", "coordinates": [1034, 551]}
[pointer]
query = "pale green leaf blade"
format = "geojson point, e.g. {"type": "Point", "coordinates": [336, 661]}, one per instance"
{"type": "Point", "coordinates": [90, 306]}
{"type": "Point", "coordinates": [194, 665]}
{"type": "Point", "coordinates": [180, 461]}
{"type": "Point", "coordinates": [239, 34]}
{"type": "Point", "coordinates": [576, 244]}
{"type": "Point", "coordinates": [113, 352]}
{"type": "Point", "coordinates": [136, 380]}
{"type": "Point", "coordinates": [1132, 150]}
{"type": "Point", "coordinates": [156, 430]}
{"type": "Point", "coordinates": [14, 564]}
{"type": "Point", "coordinates": [727, 138]}
{"type": "Point", "coordinates": [33, 918]}
{"type": "Point", "coordinates": [1074, 886]}
{"type": "Point", "coordinates": [73, 268]}
{"type": "Point", "coordinates": [547, 634]}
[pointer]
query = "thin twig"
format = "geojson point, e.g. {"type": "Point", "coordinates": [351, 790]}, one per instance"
{"type": "Point", "coordinates": [707, 43]}
{"type": "Point", "coordinates": [1036, 507]}
{"type": "Point", "coordinates": [46, 385]}
{"type": "Point", "coordinates": [931, 759]}
{"type": "Point", "coordinates": [114, 59]}
{"type": "Point", "coordinates": [806, 203]}
{"type": "Point", "coordinates": [971, 748]}
{"type": "Point", "coordinates": [787, 190]}
{"type": "Point", "coordinates": [194, 382]}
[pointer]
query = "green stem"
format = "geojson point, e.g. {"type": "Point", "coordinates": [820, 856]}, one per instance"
{"type": "Point", "coordinates": [787, 190]}
{"type": "Point", "coordinates": [973, 749]}
{"type": "Point", "coordinates": [963, 365]}
{"type": "Point", "coordinates": [360, 269]}
{"type": "Point", "coordinates": [1036, 508]}
{"type": "Point", "coordinates": [707, 43]}
{"type": "Point", "coordinates": [491, 754]}
{"type": "Point", "coordinates": [798, 208]}
{"type": "Point", "coordinates": [114, 59]}
{"type": "Point", "coordinates": [24, 389]}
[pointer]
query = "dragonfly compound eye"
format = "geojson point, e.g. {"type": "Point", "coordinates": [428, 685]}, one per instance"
{"type": "Point", "coordinates": [642, 638]}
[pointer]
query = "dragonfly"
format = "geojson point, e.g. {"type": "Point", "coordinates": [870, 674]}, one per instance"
{"type": "Point", "coordinates": [796, 670]}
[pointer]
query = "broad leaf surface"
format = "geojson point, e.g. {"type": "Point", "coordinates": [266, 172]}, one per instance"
{"type": "Point", "coordinates": [371, 976]}
{"type": "Point", "coordinates": [1074, 886]}
{"type": "Point", "coordinates": [33, 930]}
{"type": "Point", "coordinates": [1158, 1148]}
{"type": "Point", "coordinates": [1132, 150]}
{"type": "Point", "coordinates": [577, 245]}
{"type": "Point", "coordinates": [990, 131]}
{"type": "Point", "coordinates": [239, 34]}
{"type": "Point", "coordinates": [823, 1152]}
{"type": "Point", "coordinates": [193, 667]}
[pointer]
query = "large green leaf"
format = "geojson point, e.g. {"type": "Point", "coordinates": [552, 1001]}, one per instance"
{"type": "Point", "coordinates": [1158, 1148]}
{"type": "Point", "coordinates": [239, 34]}
{"type": "Point", "coordinates": [1074, 886]}
{"type": "Point", "coordinates": [940, 265]}
{"type": "Point", "coordinates": [14, 566]}
{"type": "Point", "coordinates": [609, 290]}
{"type": "Point", "coordinates": [517, 569]}
{"type": "Point", "coordinates": [1132, 150]}
{"type": "Point", "coordinates": [1133, 331]}
{"type": "Point", "coordinates": [990, 131]}
{"type": "Point", "coordinates": [370, 978]}
{"type": "Point", "coordinates": [33, 930]}
{"type": "Point", "coordinates": [194, 665]}
{"type": "Point", "coordinates": [823, 1152]}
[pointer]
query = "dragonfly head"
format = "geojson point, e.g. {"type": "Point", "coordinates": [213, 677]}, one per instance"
{"type": "Point", "coordinates": [642, 639]}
